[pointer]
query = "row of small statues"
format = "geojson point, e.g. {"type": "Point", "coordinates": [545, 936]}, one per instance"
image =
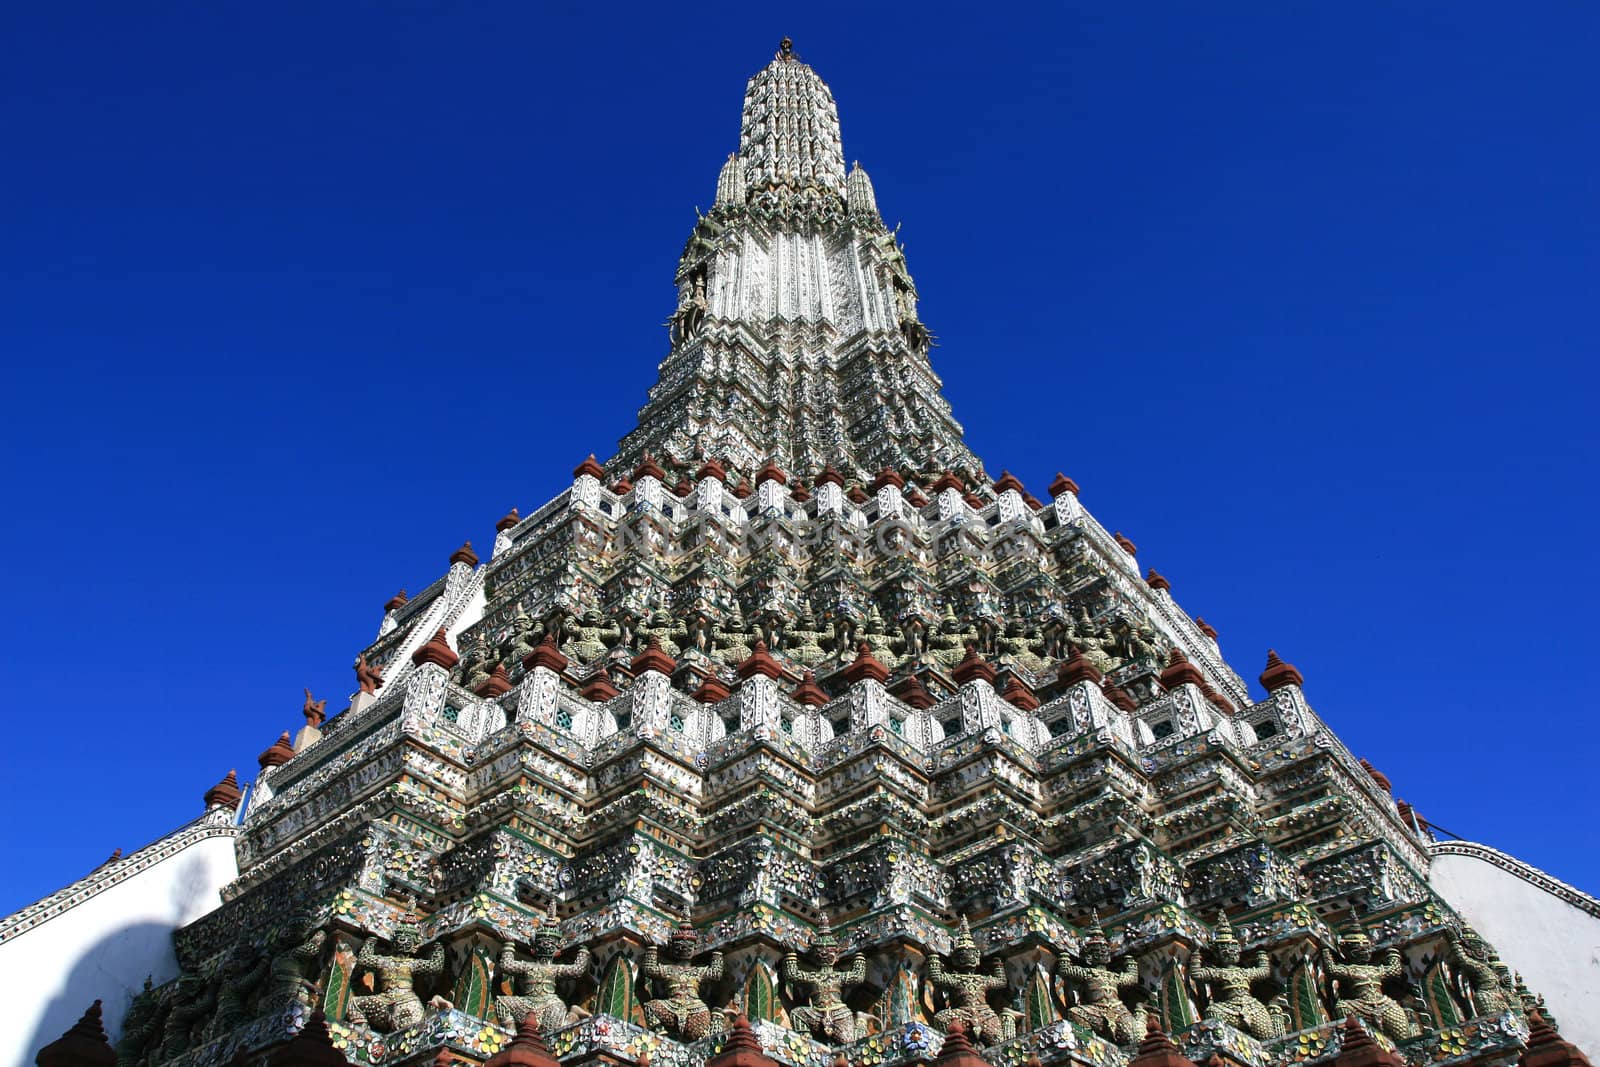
{"type": "Point", "coordinates": [1107, 643]}
{"type": "Point", "coordinates": [248, 983]}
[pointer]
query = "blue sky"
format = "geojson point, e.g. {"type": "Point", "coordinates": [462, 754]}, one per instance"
{"type": "Point", "coordinates": [298, 297]}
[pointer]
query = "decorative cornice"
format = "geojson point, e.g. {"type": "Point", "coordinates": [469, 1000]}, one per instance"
{"type": "Point", "coordinates": [1528, 873]}
{"type": "Point", "coordinates": [218, 822]}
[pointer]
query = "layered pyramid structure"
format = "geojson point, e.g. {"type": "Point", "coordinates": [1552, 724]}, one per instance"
{"type": "Point", "coordinates": [790, 710]}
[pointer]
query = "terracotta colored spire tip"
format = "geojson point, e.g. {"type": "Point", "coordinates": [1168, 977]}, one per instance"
{"type": "Point", "coordinates": [712, 690]}
{"type": "Point", "coordinates": [465, 555]}
{"type": "Point", "coordinates": [866, 666]}
{"type": "Point", "coordinates": [759, 661]}
{"type": "Point", "coordinates": [1205, 627]}
{"type": "Point", "coordinates": [599, 688]}
{"type": "Point", "coordinates": [828, 474]}
{"type": "Point", "coordinates": [888, 476]}
{"type": "Point", "coordinates": [858, 495]}
{"type": "Point", "coordinates": [1180, 671]}
{"type": "Point", "coordinates": [546, 654]}
{"type": "Point", "coordinates": [437, 651]}
{"type": "Point", "coordinates": [649, 468]}
{"type": "Point", "coordinates": [278, 754]}
{"type": "Point", "coordinates": [83, 1045]}
{"type": "Point", "coordinates": [911, 691]}
{"type": "Point", "coordinates": [973, 667]}
{"type": "Point", "coordinates": [1007, 480]}
{"type": "Point", "coordinates": [1075, 668]}
{"type": "Point", "coordinates": [396, 602]}
{"type": "Point", "coordinates": [1279, 674]}
{"type": "Point", "coordinates": [527, 1049]}
{"type": "Point", "coordinates": [948, 481]}
{"type": "Point", "coordinates": [653, 658]}
{"type": "Point", "coordinates": [1019, 695]}
{"type": "Point", "coordinates": [1063, 485]}
{"type": "Point", "coordinates": [590, 467]}
{"type": "Point", "coordinates": [508, 521]}
{"type": "Point", "coordinates": [808, 692]}
{"type": "Point", "coordinates": [1126, 545]}
{"type": "Point", "coordinates": [771, 472]}
{"type": "Point", "coordinates": [225, 793]}
{"type": "Point", "coordinates": [711, 469]}
{"type": "Point", "coordinates": [311, 1047]}
{"type": "Point", "coordinates": [498, 684]}
{"type": "Point", "coordinates": [1155, 581]}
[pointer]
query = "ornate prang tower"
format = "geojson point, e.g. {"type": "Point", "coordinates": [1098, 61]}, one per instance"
{"type": "Point", "coordinates": [789, 711]}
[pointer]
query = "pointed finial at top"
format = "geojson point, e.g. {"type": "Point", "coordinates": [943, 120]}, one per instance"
{"type": "Point", "coordinates": [786, 49]}
{"type": "Point", "coordinates": [84, 1045]}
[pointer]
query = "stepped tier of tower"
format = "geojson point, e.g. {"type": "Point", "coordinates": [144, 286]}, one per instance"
{"type": "Point", "coordinates": [791, 676]}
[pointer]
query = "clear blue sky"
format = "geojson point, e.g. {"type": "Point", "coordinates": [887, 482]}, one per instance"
{"type": "Point", "coordinates": [298, 296]}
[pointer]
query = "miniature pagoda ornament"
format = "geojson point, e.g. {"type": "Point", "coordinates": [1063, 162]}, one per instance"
{"type": "Point", "coordinates": [396, 1005]}
{"type": "Point", "coordinates": [1358, 983]}
{"type": "Point", "coordinates": [966, 989]}
{"type": "Point", "coordinates": [681, 1013]}
{"type": "Point", "coordinates": [825, 1013]}
{"type": "Point", "coordinates": [536, 980]}
{"type": "Point", "coordinates": [1231, 999]}
{"type": "Point", "coordinates": [1100, 1008]}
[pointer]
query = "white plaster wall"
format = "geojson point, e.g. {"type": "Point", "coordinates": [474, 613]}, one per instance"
{"type": "Point", "coordinates": [102, 948]}
{"type": "Point", "coordinates": [1555, 945]}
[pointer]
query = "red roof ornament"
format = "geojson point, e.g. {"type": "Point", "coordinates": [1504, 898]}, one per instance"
{"type": "Point", "coordinates": [546, 654]}
{"type": "Point", "coordinates": [712, 690]}
{"type": "Point", "coordinates": [1006, 481]}
{"type": "Point", "coordinates": [84, 1045]}
{"type": "Point", "coordinates": [1155, 581]}
{"type": "Point", "coordinates": [711, 469]}
{"type": "Point", "coordinates": [1378, 776]}
{"type": "Point", "coordinates": [1547, 1048]}
{"type": "Point", "coordinates": [1179, 671]}
{"type": "Point", "coordinates": [464, 554]}
{"type": "Point", "coordinates": [1119, 697]}
{"type": "Point", "coordinates": [858, 495]}
{"type": "Point", "coordinates": [1075, 668]}
{"type": "Point", "coordinates": [683, 488]}
{"type": "Point", "coordinates": [1157, 1049]}
{"type": "Point", "coordinates": [1019, 695]}
{"type": "Point", "coordinates": [771, 472]}
{"type": "Point", "coordinates": [759, 661]}
{"type": "Point", "coordinates": [437, 651]}
{"type": "Point", "coordinates": [311, 1047]}
{"type": "Point", "coordinates": [1032, 501]}
{"type": "Point", "coordinates": [887, 476]}
{"type": "Point", "coordinates": [1205, 627]}
{"type": "Point", "coordinates": [741, 1048]}
{"type": "Point", "coordinates": [649, 468]}
{"type": "Point", "coordinates": [742, 491]}
{"type": "Point", "coordinates": [591, 467]}
{"type": "Point", "coordinates": [527, 1049]}
{"type": "Point", "coordinates": [653, 658]}
{"type": "Point", "coordinates": [1218, 701]}
{"type": "Point", "coordinates": [1360, 1050]}
{"type": "Point", "coordinates": [911, 691]}
{"type": "Point", "coordinates": [623, 486]}
{"type": "Point", "coordinates": [1127, 546]}
{"type": "Point", "coordinates": [1279, 674]}
{"type": "Point", "coordinates": [948, 480]}
{"type": "Point", "coordinates": [1063, 485]}
{"type": "Point", "coordinates": [599, 689]}
{"type": "Point", "coordinates": [826, 475]}
{"type": "Point", "coordinates": [280, 753]}
{"type": "Point", "coordinates": [800, 493]}
{"type": "Point", "coordinates": [498, 684]}
{"type": "Point", "coordinates": [508, 521]}
{"type": "Point", "coordinates": [396, 602]}
{"type": "Point", "coordinates": [957, 1050]}
{"type": "Point", "coordinates": [972, 667]}
{"type": "Point", "coordinates": [808, 692]}
{"type": "Point", "coordinates": [865, 666]}
{"type": "Point", "coordinates": [225, 793]}
{"type": "Point", "coordinates": [975, 502]}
